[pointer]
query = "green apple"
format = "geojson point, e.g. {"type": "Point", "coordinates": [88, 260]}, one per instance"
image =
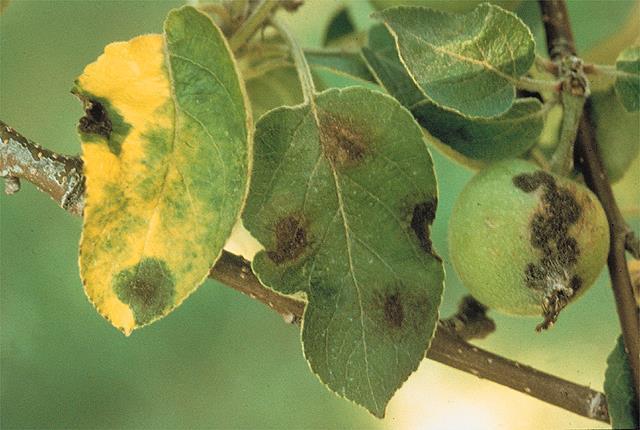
{"type": "Point", "coordinates": [526, 242]}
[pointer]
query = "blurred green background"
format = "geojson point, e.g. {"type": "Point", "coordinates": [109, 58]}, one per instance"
{"type": "Point", "coordinates": [222, 360]}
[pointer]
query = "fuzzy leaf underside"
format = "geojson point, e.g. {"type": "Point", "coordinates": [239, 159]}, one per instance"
{"type": "Point", "coordinates": [618, 387]}
{"type": "Point", "coordinates": [166, 149]}
{"type": "Point", "coordinates": [467, 63]}
{"type": "Point", "coordinates": [477, 140]}
{"type": "Point", "coordinates": [342, 197]}
{"type": "Point", "coordinates": [628, 81]}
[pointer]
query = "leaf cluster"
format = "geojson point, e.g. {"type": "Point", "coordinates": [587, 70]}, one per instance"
{"type": "Point", "coordinates": [335, 179]}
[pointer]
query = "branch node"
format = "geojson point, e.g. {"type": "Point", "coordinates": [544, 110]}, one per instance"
{"type": "Point", "coordinates": [598, 408]}
{"type": "Point", "coordinates": [471, 320]}
{"type": "Point", "coordinates": [632, 244]}
{"type": "Point", "coordinates": [11, 185]}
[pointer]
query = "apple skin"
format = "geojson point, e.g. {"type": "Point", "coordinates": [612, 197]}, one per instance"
{"type": "Point", "coordinates": [526, 242]}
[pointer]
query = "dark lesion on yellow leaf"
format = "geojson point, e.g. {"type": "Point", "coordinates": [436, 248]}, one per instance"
{"type": "Point", "coordinates": [292, 239]}
{"type": "Point", "coordinates": [343, 143]}
{"type": "Point", "coordinates": [148, 288]}
{"type": "Point", "coordinates": [95, 120]}
{"type": "Point", "coordinates": [101, 119]}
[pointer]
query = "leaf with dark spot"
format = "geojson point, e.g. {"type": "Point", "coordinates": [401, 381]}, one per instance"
{"type": "Point", "coordinates": [148, 288]}
{"type": "Point", "coordinates": [328, 200]}
{"type": "Point", "coordinates": [423, 215]}
{"type": "Point", "coordinates": [166, 145]}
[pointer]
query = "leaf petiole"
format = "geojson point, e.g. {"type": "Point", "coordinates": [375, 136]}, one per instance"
{"type": "Point", "coordinates": [536, 85]}
{"type": "Point", "coordinates": [562, 159]}
{"type": "Point", "coordinates": [300, 61]}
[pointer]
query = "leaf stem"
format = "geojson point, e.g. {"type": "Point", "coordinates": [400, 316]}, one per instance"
{"type": "Point", "coordinates": [300, 61]}
{"type": "Point", "coordinates": [562, 159]}
{"type": "Point", "coordinates": [259, 16]}
{"type": "Point", "coordinates": [536, 85]}
{"type": "Point", "coordinates": [235, 272]}
{"type": "Point", "coordinates": [608, 70]}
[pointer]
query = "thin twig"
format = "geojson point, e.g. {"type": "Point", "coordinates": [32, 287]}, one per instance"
{"type": "Point", "coordinates": [447, 347]}
{"type": "Point", "coordinates": [560, 44]}
{"type": "Point", "coordinates": [57, 175]}
{"type": "Point", "coordinates": [257, 19]}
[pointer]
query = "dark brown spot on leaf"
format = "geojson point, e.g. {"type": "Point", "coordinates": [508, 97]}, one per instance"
{"type": "Point", "coordinates": [393, 310]}
{"type": "Point", "coordinates": [423, 215]}
{"type": "Point", "coordinates": [291, 239]}
{"type": "Point", "coordinates": [401, 309]}
{"type": "Point", "coordinates": [95, 120]}
{"type": "Point", "coordinates": [343, 144]}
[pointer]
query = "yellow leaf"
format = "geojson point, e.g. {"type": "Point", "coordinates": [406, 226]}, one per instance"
{"type": "Point", "coordinates": [166, 147]}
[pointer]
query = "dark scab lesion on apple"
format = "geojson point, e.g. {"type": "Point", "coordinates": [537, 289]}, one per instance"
{"type": "Point", "coordinates": [291, 238]}
{"type": "Point", "coordinates": [148, 288]}
{"type": "Point", "coordinates": [559, 251]}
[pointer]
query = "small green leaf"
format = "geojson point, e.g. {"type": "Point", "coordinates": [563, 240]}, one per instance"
{"type": "Point", "coordinates": [343, 63]}
{"type": "Point", "coordinates": [618, 387]}
{"type": "Point", "coordinates": [342, 197]}
{"type": "Point", "coordinates": [340, 26]}
{"type": "Point", "coordinates": [166, 141]}
{"type": "Point", "coordinates": [479, 139]}
{"type": "Point", "coordinates": [617, 133]}
{"type": "Point", "coordinates": [443, 5]}
{"type": "Point", "coordinates": [628, 79]}
{"type": "Point", "coordinates": [465, 63]}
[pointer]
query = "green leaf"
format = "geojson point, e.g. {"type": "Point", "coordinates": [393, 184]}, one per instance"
{"type": "Point", "coordinates": [340, 26]}
{"type": "Point", "coordinates": [342, 197]}
{"type": "Point", "coordinates": [276, 87]}
{"type": "Point", "coordinates": [443, 5]}
{"type": "Point", "coordinates": [628, 80]}
{"type": "Point", "coordinates": [166, 146]}
{"type": "Point", "coordinates": [382, 57]}
{"type": "Point", "coordinates": [477, 140]}
{"type": "Point", "coordinates": [343, 63]}
{"type": "Point", "coordinates": [486, 139]}
{"type": "Point", "coordinates": [465, 63]}
{"type": "Point", "coordinates": [617, 133]}
{"type": "Point", "coordinates": [618, 387]}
